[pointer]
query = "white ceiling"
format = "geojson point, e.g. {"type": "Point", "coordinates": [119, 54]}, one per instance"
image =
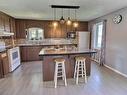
{"type": "Point", "coordinates": [40, 9]}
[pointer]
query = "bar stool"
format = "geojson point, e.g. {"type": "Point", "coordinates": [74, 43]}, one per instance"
{"type": "Point", "coordinates": [59, 70]}
{"type": "Point", "coordinates": [80, 69]}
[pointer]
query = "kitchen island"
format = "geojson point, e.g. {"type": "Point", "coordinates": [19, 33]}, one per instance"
{"type": "Point", "coordinates": [48, 66]}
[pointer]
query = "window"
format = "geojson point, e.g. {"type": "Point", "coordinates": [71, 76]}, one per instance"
{"type": "Point", "coordinates": [35, 34]}
{"type": "Point", "coordinates": [98, 28]}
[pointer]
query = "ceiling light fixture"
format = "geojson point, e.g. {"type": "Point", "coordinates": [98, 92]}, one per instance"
{"type": "Point", "coordinates": [75, 24]}
{"type": "Point", "coordinates": [69, 22]}
{"type": "Point", "coordinates": [69, 19]}
{"type": "Point", "coordinates": [55, 23]}
{"type": "Point", "coordinates": [62, 20]}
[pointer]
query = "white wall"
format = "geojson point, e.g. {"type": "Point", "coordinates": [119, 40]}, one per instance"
{"type": "Point", "coordinates": [116, 41]}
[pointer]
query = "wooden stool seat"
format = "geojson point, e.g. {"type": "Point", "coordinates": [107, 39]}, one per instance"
{"type": "Point", "coordinates": [80, 58]}
{"type": "Point", "coordinates": [57, 60]}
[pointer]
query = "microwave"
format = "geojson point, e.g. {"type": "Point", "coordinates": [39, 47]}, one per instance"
{"type": "Point", "coordinates": [71, 35]}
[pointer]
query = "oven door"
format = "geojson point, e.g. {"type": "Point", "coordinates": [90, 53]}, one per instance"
{"type": "Point", "coordinates": [14, 58]}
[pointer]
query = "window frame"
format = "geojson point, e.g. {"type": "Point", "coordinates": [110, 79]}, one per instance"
{"type": "Point", "coordinates": [96, 34]}
{"type": "Point", "coordinates": [36, 30]}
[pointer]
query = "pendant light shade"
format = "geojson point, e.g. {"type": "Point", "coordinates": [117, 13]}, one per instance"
{"type": "Point", "coordinates": [69, 22]}
{"type": "Point", "coordinates": [55, 24]}
{"type": "Point", "coordinates": [75, 24]}
{"type": "Point", "coordinates": [62, 20]}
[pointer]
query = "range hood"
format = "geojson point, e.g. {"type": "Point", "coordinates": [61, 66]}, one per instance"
{"type": "Point", "coordinates": [4, 33]}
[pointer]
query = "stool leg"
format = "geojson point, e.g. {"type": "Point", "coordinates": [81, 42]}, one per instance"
{"type": "Point", "coordinates": [82, 68]}
{"type": "Point", "coordinates": [77, 72]}
{"type": "Point", "coordinates": [85, 71]}
{"type": "Point", "coordinates": [75, 69]}
{"type": "Point", "coordinates": [55, 75]}
{"type": "Point", "coordinates": [64, 73]}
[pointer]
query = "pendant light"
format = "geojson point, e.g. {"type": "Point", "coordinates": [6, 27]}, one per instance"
{"type": "Point", "coordinates": [69, 22]}
{"type": "Point", "coordinates": [75, 24]}
{"type": "Point", "coordinates": [62, 20]}
{"type": "Point", "coordinates": [55, 23]}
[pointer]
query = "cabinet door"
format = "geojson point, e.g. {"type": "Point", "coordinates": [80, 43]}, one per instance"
{"type": "Point", "coordinates": [6, 24]}
{"type": "Point", "coordinates": [20, 28]}
{"type": "Point", "coordinates": [30, 53]}
{"type": "Point", "coordinates": [1, 69]}
{"type": "Point", "coordinates": [5, 63]}
{"type": "Point", "coordinates": [12, 26]}
{"type": "Point", "coordinates": [48, 30]}
{"type": "Point", "coordinates": [1, 22]}
{"type": "Point", "coordinates": [23, 54]}
{"type": "Point", "coordinates": [33, 53]}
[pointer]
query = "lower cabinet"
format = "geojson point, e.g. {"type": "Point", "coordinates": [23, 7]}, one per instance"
{"type": "Point", "coordinates": [30, 53]}
{"type": "Point", "coordinates": [1, 70]}
{"type": "Point", "coordinates": [4, 64]}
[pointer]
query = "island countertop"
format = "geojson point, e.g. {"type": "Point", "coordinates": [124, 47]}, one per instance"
{"type": "Point", "coordinates": [60, 51]}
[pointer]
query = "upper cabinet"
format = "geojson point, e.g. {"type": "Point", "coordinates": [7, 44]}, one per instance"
{"type": "Point", "coordinates": [7, 23]}
{"type": "Point", "coordinates": [12, 26]}
{"type": "Point", "coordinates": [1, 22]}
{"type": "Point", "coordinates": [20, 29]}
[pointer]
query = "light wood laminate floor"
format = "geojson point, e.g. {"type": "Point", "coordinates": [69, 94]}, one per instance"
{"type": "Point", "coordinates": [27, 80]}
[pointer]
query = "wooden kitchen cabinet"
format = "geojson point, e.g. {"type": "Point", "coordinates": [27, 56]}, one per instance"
{"type": "Point", "coordinates": [20, 28]}
{"type": "Point", "coordinates": [6, 23]}
{"type": "Point", "coordinates": [30, 53]}
{"type": "Point", "coordinates": [23, 52]}
{"type": "Point", "coordinates": [1, 22]}
{"type": "Point", "coordinates": [5, 63]}
{"type": "Point", "coordinates": [1, 70]}
{"type": "Point", "coordinates": [12, 26]}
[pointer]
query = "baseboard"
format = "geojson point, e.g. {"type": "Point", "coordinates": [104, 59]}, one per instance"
{"type": "Point", "coordinates": [115, 70]}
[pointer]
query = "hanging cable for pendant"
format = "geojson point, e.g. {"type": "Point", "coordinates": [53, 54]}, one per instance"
{"type": "Point", "coordinates": [69, 18]}
{"type": "Point", "coordinates": [62, 20]}
{"type": "Point", "coordinates": [55, 23]}
{"type": "Point", "coordinates": [75, 24]}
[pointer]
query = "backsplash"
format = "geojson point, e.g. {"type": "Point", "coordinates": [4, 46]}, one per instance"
{"type": "Point", "coordinates": [7, 41]}
{"type": "Point", "coordinates": [50, 41]}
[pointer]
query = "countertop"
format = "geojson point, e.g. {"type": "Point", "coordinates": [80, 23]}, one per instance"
{"type": "Point", "coordinates": [2, 50]}
{"type": "Point", "coordinates": [50, 52]}
{"type": "Point", "coordinates": [44, 44]}
{"type": "Point", "coordinates": [6, 48]}
{"type": "Point", "coordinates": [21, 45]}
